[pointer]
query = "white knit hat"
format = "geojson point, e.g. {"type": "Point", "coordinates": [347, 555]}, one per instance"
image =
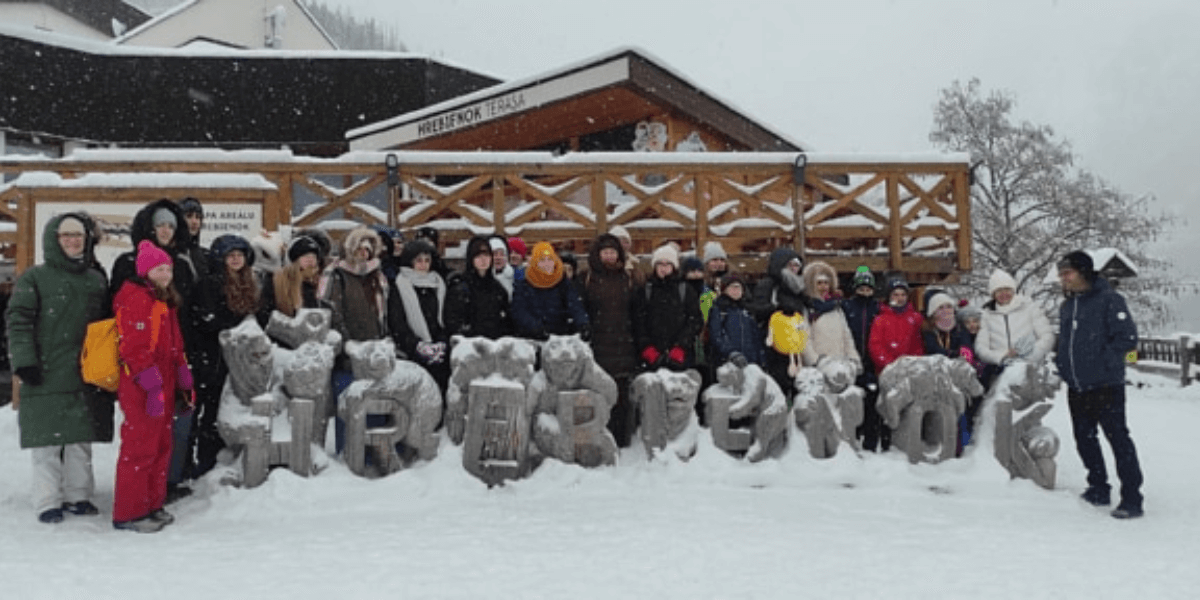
{"type": "Point", "coordinates": [1000, 280]}
{"type": "Point", "coordinates": [666, 253]}
{"type": "Point", "coordinates": [714, 250]}
{"type": "Point", "coordinates": [937, 301]}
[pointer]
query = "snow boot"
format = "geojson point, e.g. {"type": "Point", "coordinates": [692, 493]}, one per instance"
{"type": "Point", "coordinates": [1127, 512]}
{"type": "Point", "coordinates": [177, 492]}
{"type": "Point", "coordinates": [83, 508]}
{"type": "Point", "coordinates": [146, 524]}
{"type": "Point", "coordinates": [163, 517]}
{"type": "Point", "coordinates": [51, 516]}
{"type": "Point", "coordinates": [1096, 496]}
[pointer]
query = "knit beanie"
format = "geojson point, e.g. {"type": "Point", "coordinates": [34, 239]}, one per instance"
{"type": "Point", "coordinates": [969, 312]}
{"type": "Point", "coordinates": [516, 244]}
{"type": "Point", "coordinates": [498, 243]}
{"type": "Point", "coordinates": [690, 264]}
{"type": "Point", "coordinates": [148, 257]}
{"type": "Point", "coordinates": [667, 254]}
{"type": "Point", "coordinates": [1000, 280]}
{"type": "Point", "coordinates": [164, 215]}
{"type": "Point", "coordinates": [897, 282]}
{"type": "Point", "coordinates": [1080, 261]}
{"type": "Point", "coordinates": [936, 301]}
{"type": "Point", "coordinates": [539, 278]}
{"type": "Point", "coordinates": [863, 277]}
{"type": "Point", "coordinates": [301, 246]}
{"type": "Point", "coordinates": [733, 279]}
{"type": "Point", "coordinates": [714, 250]}
{"type": "Point", "coordinates": [621, 233]}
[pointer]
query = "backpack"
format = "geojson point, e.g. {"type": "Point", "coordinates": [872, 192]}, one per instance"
{"type": "Point", "coordinates": [100, 362]}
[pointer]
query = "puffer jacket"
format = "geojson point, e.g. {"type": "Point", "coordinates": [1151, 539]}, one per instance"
{"type": "Point", "coordinates": [139, 316]}
{"type": "Point", "coordinates": [47, 319]}
{"type": "Point", "coordinates": [860, 314]}
{"type": "Point", "coordinates": [895, 333]}
{"type": "Point", "coordinates": [1095, 332]}
{"type": "Point", "coordinates": [772, 294]}
{"type": "Point", "coordinates": [731, 328]}
{"type": "Point", "coordinates": [830, 331]}
{"type": "Point", "coordinates": [1001, 327]}
{"type": "Point", "coordinates": [608, 296]}
{"type": "Point", "coordinates": [667, 315]}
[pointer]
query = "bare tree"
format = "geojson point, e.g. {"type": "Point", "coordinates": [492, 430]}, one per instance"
{"type": "Point", "coordinates": [1030, 204]}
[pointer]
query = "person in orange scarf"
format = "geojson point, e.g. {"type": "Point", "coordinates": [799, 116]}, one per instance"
{"type": "Point", "coordinates": [545, 303]}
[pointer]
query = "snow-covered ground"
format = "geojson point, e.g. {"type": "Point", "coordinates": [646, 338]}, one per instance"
{"type": "Point", "coordinates": [850, 527]}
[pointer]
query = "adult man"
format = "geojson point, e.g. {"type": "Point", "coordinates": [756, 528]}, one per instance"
{"type": "Point", "coordinates": [1096, 331]}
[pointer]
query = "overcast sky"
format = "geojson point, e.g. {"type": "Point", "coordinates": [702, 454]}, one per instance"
{"type": "Point", "coordinates": [1119, 80]}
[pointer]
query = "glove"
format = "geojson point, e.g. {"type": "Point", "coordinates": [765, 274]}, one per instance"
{"type": "Point", "coordinates": [585, 333]}
{"type": "Point", "coordinates": [151, 381]}
{"type": "Point", "coordinates": [183, 378]}
{"type": "Point", "coordinates": [676, 355]}
{"type": "Point", "coordinates": [967, 354]}
{"type": "Point", "coordinates": [31, 374]}
{"type": "Point", "coordinates": [738, 359]}
{"type": "Point", "coordinates": [651, 355]}
{"type": "Point", "coordinates": [427, 351]}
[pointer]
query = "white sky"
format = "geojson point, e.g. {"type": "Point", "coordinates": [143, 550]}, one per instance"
{"type": "Point", "coordinates": [1119, 80]}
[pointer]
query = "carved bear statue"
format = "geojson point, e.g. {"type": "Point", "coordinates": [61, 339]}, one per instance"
{"type": "Point", "coordinates": [667, 401]}
{"type": "Point", "coordinates": [572, 397]}
{"type": "Point", "coordinates": [747, 412]}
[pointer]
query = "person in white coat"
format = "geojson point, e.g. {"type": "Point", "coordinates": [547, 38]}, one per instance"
{"type": "Point", "coordinates": [831, 335]}
{"type": "Point", "coordinates": [1012, 326]}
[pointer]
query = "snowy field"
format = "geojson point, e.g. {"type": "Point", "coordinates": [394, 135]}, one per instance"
{"type": "Point", "coordinates": [850, 527]}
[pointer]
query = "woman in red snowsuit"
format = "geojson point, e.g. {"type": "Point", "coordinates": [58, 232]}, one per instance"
{"type": "Point", "coordinates": [153, 366]}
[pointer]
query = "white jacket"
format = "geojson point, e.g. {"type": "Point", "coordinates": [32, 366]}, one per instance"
{"type": "Point", "coordinates": [1020, 324]}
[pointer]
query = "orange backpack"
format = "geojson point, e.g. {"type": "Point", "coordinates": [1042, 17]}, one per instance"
{"type": "Point", "coordinates": [100, 362]}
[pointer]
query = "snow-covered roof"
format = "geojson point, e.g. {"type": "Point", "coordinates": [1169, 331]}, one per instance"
{"type": "Point", "coordinates": [1110, 259]}
{"type": "Point", "coordinates": [43, 179]}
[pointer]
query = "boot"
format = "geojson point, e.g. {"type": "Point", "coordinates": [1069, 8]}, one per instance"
{"type": "Point", "coordinates": [146, 524]}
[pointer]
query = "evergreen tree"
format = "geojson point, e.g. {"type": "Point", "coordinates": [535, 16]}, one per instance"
{"type": "Point", "coordinates": [350, 33]}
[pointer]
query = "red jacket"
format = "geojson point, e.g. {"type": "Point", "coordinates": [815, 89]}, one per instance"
{"type": "Point", "coordinates": [140, 317]}
{"type": "Point", "coordinates": [895, 334]}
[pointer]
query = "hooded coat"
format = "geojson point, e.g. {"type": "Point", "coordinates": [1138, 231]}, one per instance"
{"type": "Point", "coordinates": [478, 305]}
{"type": "Point", "coordinates": [1001, 327]}
{"type": "Point", "coordinates": [830, 332]}
{"type": "Point", "coordinates": [539, 312]}
{"type": "Point", "coordinates": [365, 304]}
{"type": "Point", "coordinates": [667, 315]}
{"type": "Point", "coordinates": [1095, 332]}
{"type": "Point", "coordinates": [608, 295]}
{"type": "Point", "coordinates": [51, 306]}
{"type": "Point", "coordinates": [773, 293]}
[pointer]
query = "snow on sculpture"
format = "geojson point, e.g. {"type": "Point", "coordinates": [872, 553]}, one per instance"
{"type": "Point", "coordinates": [667, 401]}
{"type": "Point", "coordinates": [572, 399]}
{"type": "Point", "coordinates": [921, 398]}
{"type": "Point", "coordinates": [314, 347]}
{"type": "Point", "coordinates": [486, 406]}
{"type": "Point", "coordinates": [827, 408]}
{"type": "Point", "coordinates": [1017, 402]}
{"type": "Point", "coordinates": [399, 390]}
{"type": "Point", "coordinates": [747, 412]}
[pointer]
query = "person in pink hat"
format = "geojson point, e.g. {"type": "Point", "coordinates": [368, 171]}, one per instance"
{"type": "Point", "coordinates": [153, 368]}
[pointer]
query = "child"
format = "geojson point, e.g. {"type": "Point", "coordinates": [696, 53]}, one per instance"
{"type": "Point", "coordinates": [734, 332]}
{"type": "Point", "coordinates": [151, 350]}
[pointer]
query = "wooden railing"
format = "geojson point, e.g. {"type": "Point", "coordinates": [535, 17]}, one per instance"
{"type": "Point", "coordinates": [1180, 352]}
{"type": "Point", "coordinates": [910, 215]}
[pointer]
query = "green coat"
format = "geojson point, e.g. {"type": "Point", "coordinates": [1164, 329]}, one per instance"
{"type": "Point", "coordinates": [47, 318]}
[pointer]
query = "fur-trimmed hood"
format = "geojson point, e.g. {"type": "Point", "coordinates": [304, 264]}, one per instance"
{"type": "Point", "coordinates": [810, 273]}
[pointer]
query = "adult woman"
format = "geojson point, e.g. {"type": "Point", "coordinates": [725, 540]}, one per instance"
{"type": "Point", "coordinates": [295, 285]}
{"type": "Point", "coordinates": [667, 320]}
{"type": "Point", "coordinates": [478, 306]}
{"type": "Point", "coordinates": [608, 293]}
{"type": "Point", "coordinates": [544, 302]}
{"type": "Point", "coordinates": [224, 300]}
{"type": "Point", "coordinates": [423, 297]}
{"type": "Point", "coordinates": [60, 415]}
{"type": "Point", "coordinates": [831, 336]}
{"type": "Point", "coordinates": [152, 352]}
{"type": "Point", "coordinates": [1012, 327]}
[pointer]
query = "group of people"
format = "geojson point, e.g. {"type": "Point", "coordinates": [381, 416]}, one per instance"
{"type": "Point", "coordinates": [171, 296]}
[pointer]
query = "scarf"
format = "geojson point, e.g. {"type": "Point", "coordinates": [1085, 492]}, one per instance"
{"type": "Point", "coordinates": [539, 278]}
{"type": "Point", "coordinates": [407, 282]}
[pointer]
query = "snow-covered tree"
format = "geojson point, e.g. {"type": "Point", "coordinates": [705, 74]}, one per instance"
{"type": "Point", "coordinates": [350, 33]}
{"type": "Point", "coordinates": [1031, 204]}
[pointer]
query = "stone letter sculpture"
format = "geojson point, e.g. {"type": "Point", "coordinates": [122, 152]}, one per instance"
{"type": "Point", "coordinates": [921, 398]}
{"type": "Point", "coordinates": [401, 392]}
{"type": "Point", "coordinates": [747, 413]}
{"type": "Point", "coordinates": [827, 409]}
{"type": "Point", "coordinates": [487, 408]}
{"type": "Point", "coordinates": [667, 401]}
{"type": "Point", "coordinates": [249, 406]}
{"type": "Point", "coordinates": [1022, 444]}
{"type": "Point", "coordinates": [572, 397]}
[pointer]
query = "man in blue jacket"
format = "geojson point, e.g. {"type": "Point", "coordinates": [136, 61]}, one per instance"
{"type": "Point", "coordinates": [1096, 331]}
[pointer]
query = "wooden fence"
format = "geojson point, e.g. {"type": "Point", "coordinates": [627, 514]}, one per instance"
{"type": "Point", "coordinates": [1180, 352]}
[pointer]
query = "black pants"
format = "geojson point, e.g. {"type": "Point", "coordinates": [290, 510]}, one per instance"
{"type": "Point", "coordinates": [1105, 408]}
{"type": "Point", "coordinates": [623, 419]}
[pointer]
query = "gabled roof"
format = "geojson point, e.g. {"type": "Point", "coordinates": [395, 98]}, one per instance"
{"type": "Point", "coordinates": [97, 14]}
{"type": "Point", "coordinates": [180, 11]}
{"type": "Point", "coordinates": [619, 87]}
{"type": "Point", "coordinates": [58, 87]}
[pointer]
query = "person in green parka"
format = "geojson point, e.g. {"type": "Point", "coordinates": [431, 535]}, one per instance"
{"type": "Point", "coordinates": [60, 416]}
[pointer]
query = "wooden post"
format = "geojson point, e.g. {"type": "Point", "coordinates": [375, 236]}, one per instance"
{"type": "Point", "coordinates": [896, 240]}
{"type": "Point", "coordinates": [498, 204]}
{"type": "Point", "coordinates": [1185, 360]}
{"type": "Point", "coordinates": [599, 203]}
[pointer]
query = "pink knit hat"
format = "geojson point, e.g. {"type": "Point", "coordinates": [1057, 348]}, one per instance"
{"type": "Point", "coordinates": [150, 256]}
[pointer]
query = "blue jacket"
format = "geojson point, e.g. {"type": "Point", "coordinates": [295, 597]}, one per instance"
{"type": "Point", "coordinates": [540, 312]}
{"type": "Point", "coordinates": [1095, 332]}
{"type": "Point", "coordinates": [731, 328]}
{"type": "Point", "coordinates": [860, 313]}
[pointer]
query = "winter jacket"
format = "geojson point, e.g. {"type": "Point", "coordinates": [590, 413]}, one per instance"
{"type": "Point", "coordinates": [944, 343]}
{"type": "Point", "coordinates": [1096, 331]}
{"type": "Point", "coordinates": [667, 315]}
{"type": "Point", "coordinates": [830, 331]}
{"type": "Point", "coordinates": [1001, 327]}
{"type": "Point", "coordinates": [47, 319]}
{"type": "Point", "coordinates": [895, 333]}
{"type": "Point", "coordinates": [137, 310]}
{"type": "Point", "coordinates": [539, 312]}
{"type": "Point", "coordinates": [608, 296]}
{"type": "Point", "coordinates": [210, 315]}
{"type": "Point", "coordinates": [860, 313]}
{"type": "Point", "coordinates": [478, 306]}
{"type": "Point", "coordinates": [731, 328]}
